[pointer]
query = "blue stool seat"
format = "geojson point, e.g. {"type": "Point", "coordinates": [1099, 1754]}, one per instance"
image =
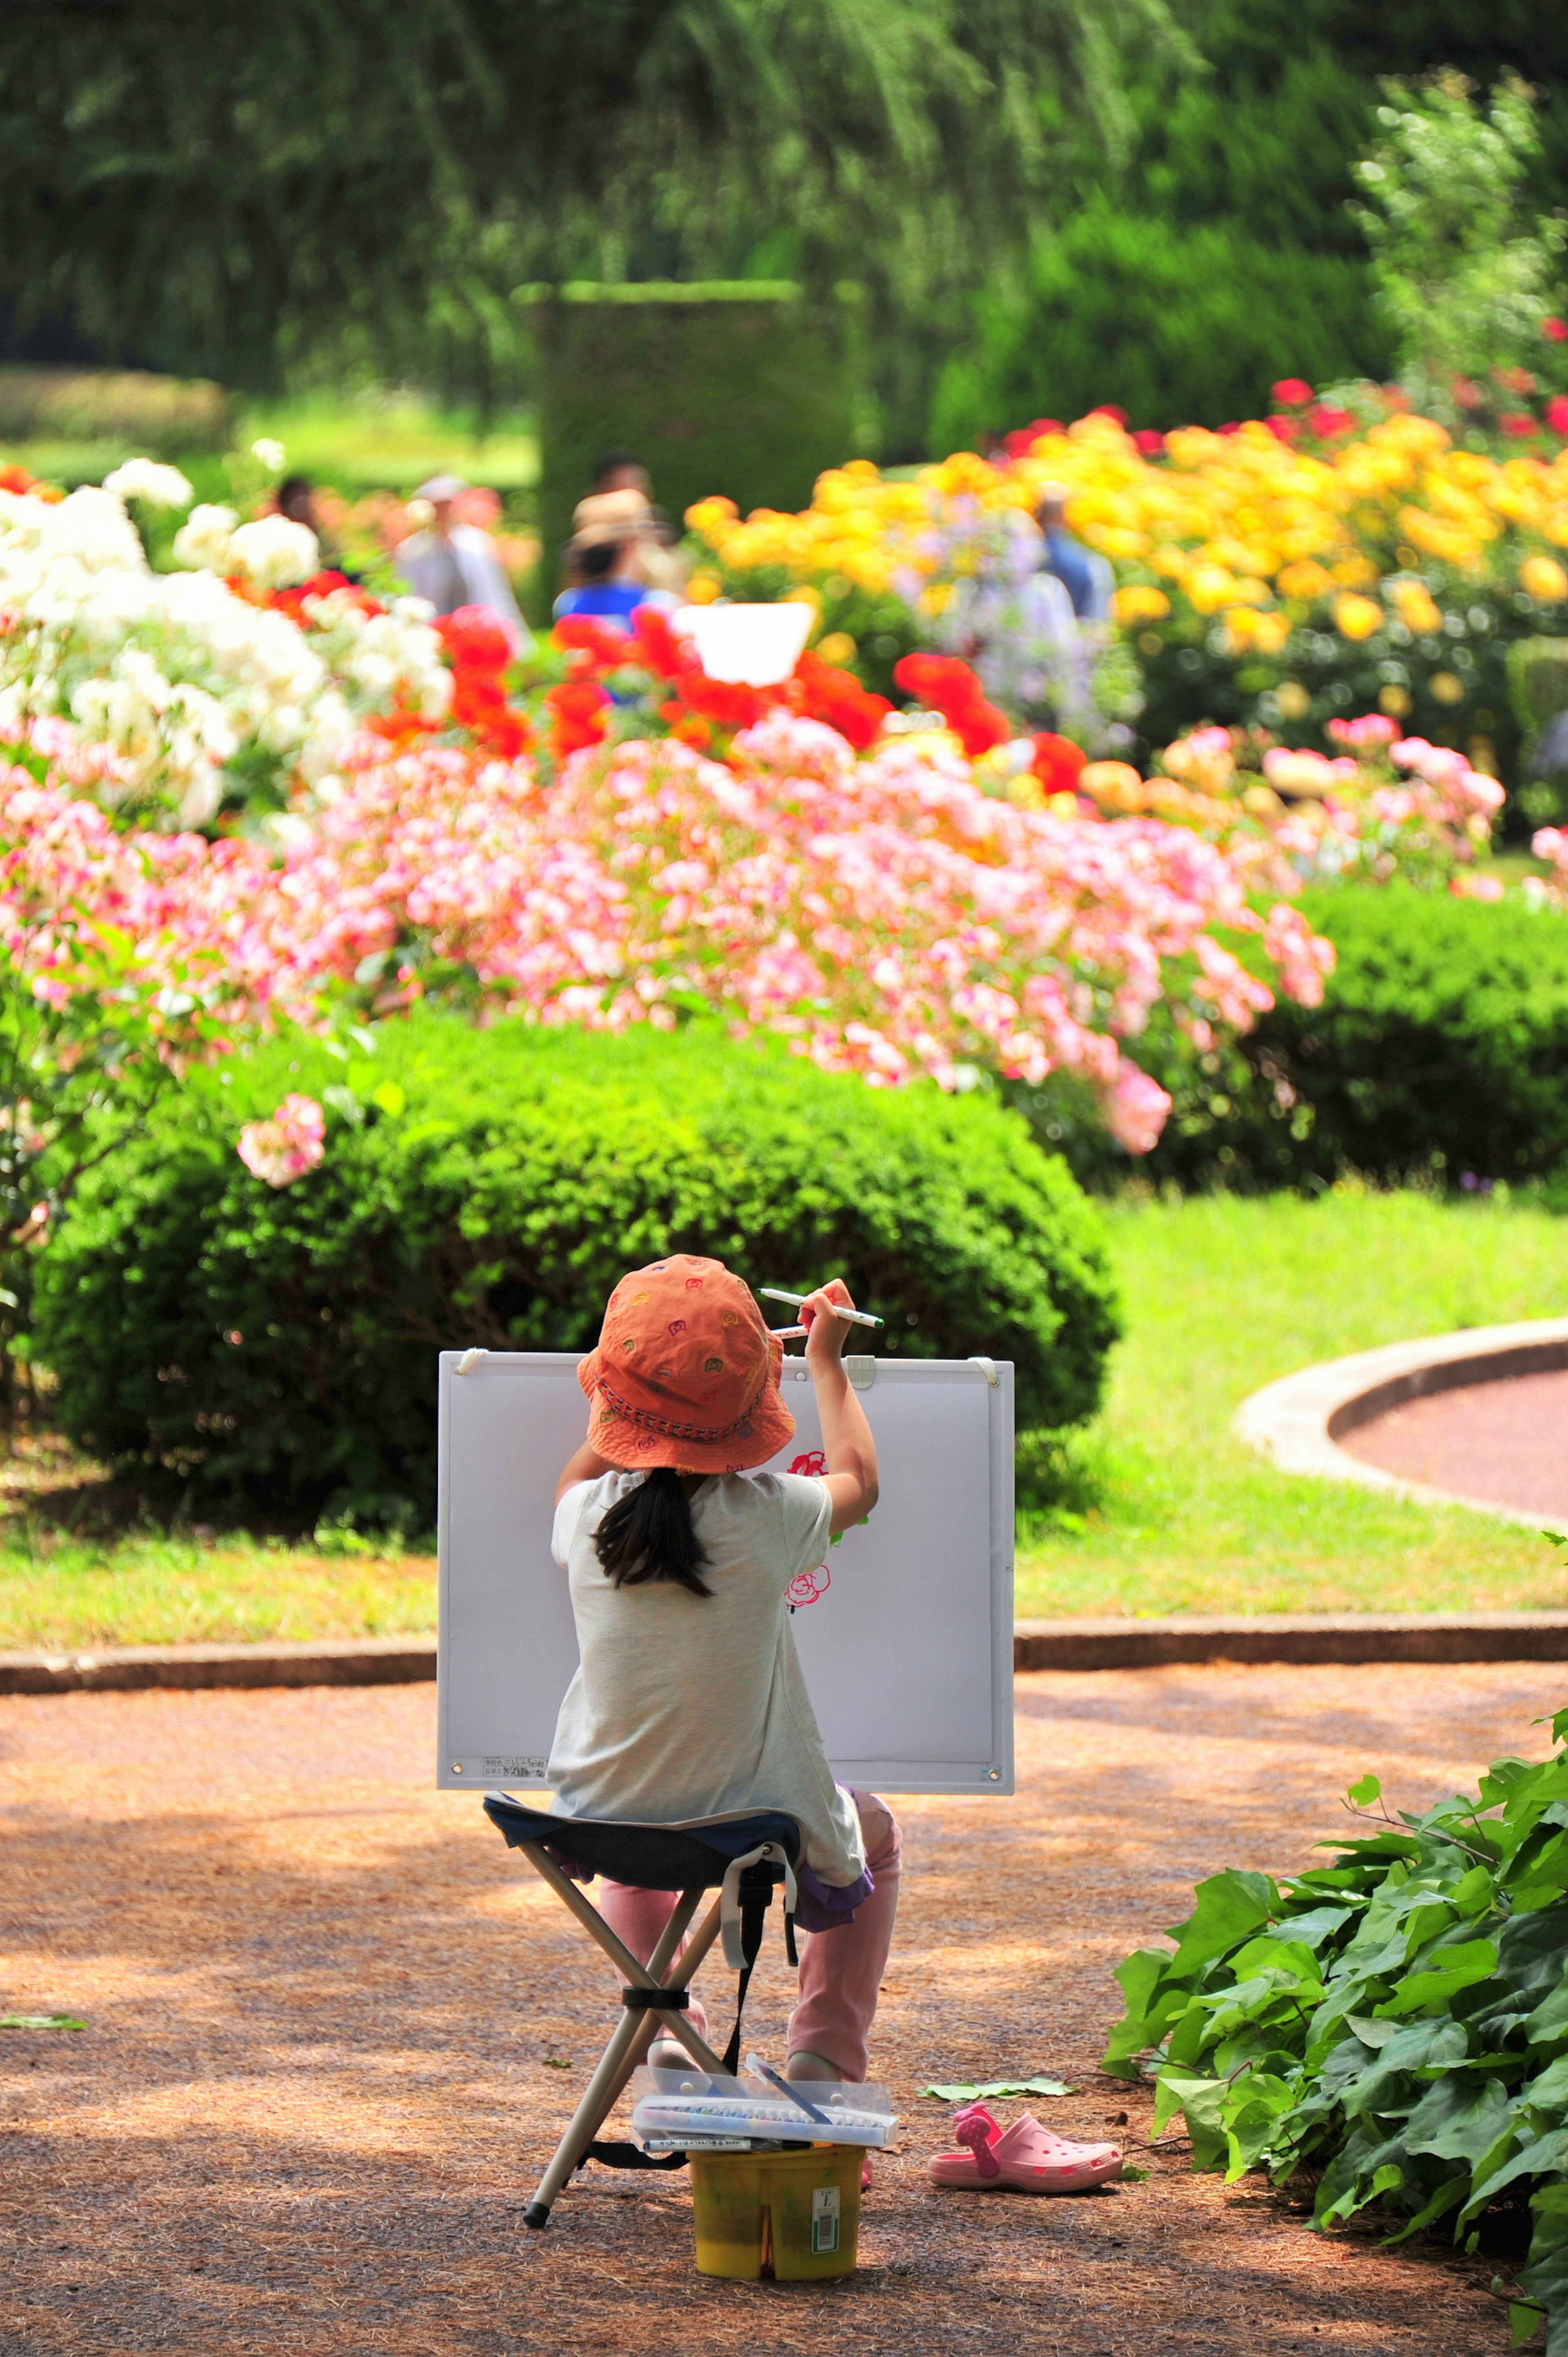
{"type": "Point", "coordinates": [696, 1856]}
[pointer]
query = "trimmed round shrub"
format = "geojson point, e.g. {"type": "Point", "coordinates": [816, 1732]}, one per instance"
{"type": "Point", "coordinates": [275, 1348]}
{"type": "Point", "coordinates": [1441, 1045]}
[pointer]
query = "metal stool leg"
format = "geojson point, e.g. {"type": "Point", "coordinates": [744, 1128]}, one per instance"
{"type": "Point", "coordinates": [635, 2030]}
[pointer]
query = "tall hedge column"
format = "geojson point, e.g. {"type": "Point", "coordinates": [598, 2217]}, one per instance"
{"type": "Point", "coordinates": [748, 388]}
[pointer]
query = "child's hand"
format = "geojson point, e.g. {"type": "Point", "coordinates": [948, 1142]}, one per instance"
{"type": "Point", "coordinates": [827, 1336]}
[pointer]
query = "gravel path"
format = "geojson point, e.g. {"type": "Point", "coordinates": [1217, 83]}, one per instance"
{"type": "Point", "coordinates": [325, 2006]}
{"type": "Point", "coordinates": [1502, 1441]}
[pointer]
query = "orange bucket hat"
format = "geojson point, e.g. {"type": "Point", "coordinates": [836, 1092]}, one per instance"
{"type": "Point", "coordinates": [685, 1373]}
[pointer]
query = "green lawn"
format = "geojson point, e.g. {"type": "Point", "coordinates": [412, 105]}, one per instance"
{"type": "Point", "coordinates": [1221, 1296]}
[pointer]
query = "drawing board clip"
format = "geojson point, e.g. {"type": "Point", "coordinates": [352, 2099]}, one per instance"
{"type": "Point", "coordinates": [469, 1361]}
{"type": "Point", "coordinates": [987, 1368]}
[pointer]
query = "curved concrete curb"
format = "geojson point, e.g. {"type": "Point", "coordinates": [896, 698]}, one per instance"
{"type": "Point", "coordinates": [1298, 1421]}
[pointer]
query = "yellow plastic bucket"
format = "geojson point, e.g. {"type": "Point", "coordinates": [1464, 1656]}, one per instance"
{"type": "Point", "coordinates": [798, 2211]}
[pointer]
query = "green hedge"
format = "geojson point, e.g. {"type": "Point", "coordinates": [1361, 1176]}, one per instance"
{"type": "Point", "coordinates": [747, 390]}
{"type": "Point", "coordinates": [277, 1348]}
{"type": "Point", "coordinates": [1441, 1043]}
{"type": "Point", "coordinates": [1179, 325]}
{"type": "Point", "coordinates": [165, 417]}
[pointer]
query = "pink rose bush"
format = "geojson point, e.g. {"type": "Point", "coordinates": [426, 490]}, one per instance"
{"type": "Point", "coordinates": [887, 914]}
{"type": "Point", "coordinates": [1384, 805]}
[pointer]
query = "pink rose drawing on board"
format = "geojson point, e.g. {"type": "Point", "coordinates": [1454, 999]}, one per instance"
{"type": "Point", "coordinates": [807, 1586]}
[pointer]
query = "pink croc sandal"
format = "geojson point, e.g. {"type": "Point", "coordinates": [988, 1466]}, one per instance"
{"type": "Point", "coordinates": [1024, 2158]}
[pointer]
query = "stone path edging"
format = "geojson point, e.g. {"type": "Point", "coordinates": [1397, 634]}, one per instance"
{"type": "Point", "coordinates": [1297, 1421]}
{"type": "Point", "coordinates": [1086, 1644]}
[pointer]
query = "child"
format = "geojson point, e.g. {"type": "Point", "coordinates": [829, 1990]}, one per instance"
{"type": "Point", "coordinates": [688, 1701]}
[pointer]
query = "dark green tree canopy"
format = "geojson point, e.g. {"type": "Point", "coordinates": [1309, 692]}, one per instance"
{"type": "Point", "coordinates": [217, 188]}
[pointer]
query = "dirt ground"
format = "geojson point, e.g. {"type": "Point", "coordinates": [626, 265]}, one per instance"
{"type": "Point", "coordinates": [326, 2009]}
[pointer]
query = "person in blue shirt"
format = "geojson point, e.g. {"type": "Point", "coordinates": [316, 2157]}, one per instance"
{"type": "Point", "coordinates": [1065, 558]}
{"type": "Point", "coordinates": [612, 535]}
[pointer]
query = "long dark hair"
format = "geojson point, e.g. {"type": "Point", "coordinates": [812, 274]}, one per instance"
{"type": "Point", "coordinates": [649, 1534]}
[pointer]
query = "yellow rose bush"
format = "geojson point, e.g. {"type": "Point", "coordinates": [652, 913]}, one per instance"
{"type": "Point", "coordinates": [1292, 571]}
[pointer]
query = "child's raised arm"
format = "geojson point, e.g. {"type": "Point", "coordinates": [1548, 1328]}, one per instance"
{"type": "Point", "coordinates": [847, 1443]}
{"type": "Point", "coordinates": [585, 1464]}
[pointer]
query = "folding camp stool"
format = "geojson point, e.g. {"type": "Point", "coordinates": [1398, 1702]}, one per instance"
{"type": "Point", "coordinates": [742, 1855]}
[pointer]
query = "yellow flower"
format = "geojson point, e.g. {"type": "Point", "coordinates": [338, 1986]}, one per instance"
{"type": "Point", "coordinates": [1356, 572]}
{"type": "Point", "coordinates": [1543, 577]}
{"type": "Point", "coordinates": [1304, 580]}
{"type": "Point", "coordinates": [1293, 701]}
{"type": "Point", "coordinates": [1395, 701]}
{"type": "Point", "coordinates": [1417, 609]}
{"type": "Point", "coordinates": [1447, 687]}
{"type": "Point", "coordinates": [1356, 617]}
{"type": "Point", "coordinates": [1211, 586]}
{"type": "Point", "coordinates": [838, 646]}
{"type": "Point", "coordinates": [1137, 603]}
{"type": "Point", "coordinates": [703, 588]}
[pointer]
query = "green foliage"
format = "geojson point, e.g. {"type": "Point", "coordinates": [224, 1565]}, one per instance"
{"type": "Point", "coordinates": [1177, 324]}
{"type": "Point", "coordinates": [1397, 2018]}
{"type": "Point", "coordinates": [488, 1187]}
{"type": "Point", "coordinates": [163, 416]}
{"type": "Point", "coordinates": [1537, 682]}
{"type": "Point", "coordinates": [747, 391]}
{"type": "Point", "coordinates": [1441, 1046]}
{"type": "Point", "coordinates": [1463, 283]}
{"type": "Point", "coordinates": [377, 179]}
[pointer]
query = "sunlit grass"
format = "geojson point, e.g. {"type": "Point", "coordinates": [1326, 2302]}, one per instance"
{"type": "Point", "coordinates": [393, 441]}
{"type": "Point", "coordinates": [149, 1589]}
{"type": "Point", "coordinates": [1220, 1296]}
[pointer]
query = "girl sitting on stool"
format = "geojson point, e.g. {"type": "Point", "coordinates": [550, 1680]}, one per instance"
{"type": "Point", "coordinates": [688, 1700]}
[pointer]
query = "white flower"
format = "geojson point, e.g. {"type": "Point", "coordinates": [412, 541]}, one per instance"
{"type": "Point", "coordinates": [275, 553]}
{"type": "Point", "coordinates": [203, 539]}
{"type": "Point", "coordinates": [144, 478]}
{"type": "Point", "coordinates": [271, 454]}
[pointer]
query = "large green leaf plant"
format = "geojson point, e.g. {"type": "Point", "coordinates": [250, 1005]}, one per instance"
{"type": "Point", "coordinates": [1397, 2020]}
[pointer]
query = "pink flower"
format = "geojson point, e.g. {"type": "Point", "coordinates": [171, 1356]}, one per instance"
{"type": "Point", "coordinates": [1555, 331]}
{"type": "Point", "coordinates": [1291, 393]}
{"type": "Point", "coordinates": [1557, 413]}
{"type": "Point", "coordinates": [1518, 422]}
{"type": "Point", "coordinates": [284, 1149]}
{"type": "Point", "coordinates": [1150, 444]}
{"type": "Point", "coordinates": [1137, 1109]}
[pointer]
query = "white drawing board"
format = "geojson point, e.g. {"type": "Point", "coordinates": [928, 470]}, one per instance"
{"type": "Point", "coordinates": [906, 1645]}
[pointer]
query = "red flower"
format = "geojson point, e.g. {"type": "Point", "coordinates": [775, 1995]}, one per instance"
{"type": "Point", "coordinates": [1046, 425]}
{"type": "Point", "coordinates": [1150, 444]}
{"type": "Point", "coordinates": [1557, 413]}
{"type": "Point", "coordinates": [581, 716]}
{"type": "Point", "coordinates": [1555, 331]}
{"type": "Point", "coordinates": [1284, 429]}
{"type": "Point", "coordinates": [1327, 419]}
{"type": "Point", "coordinates": [1057, 762]}
{"type": "Point", "coordinates": [1018, 445]}
{"type": "Point", "coordinates": [1516, 379]}
{"type": "Point", "coordinates": [602, 646]}
{"type": "Point", "coordinates": [826, 692]}
{"type": "Point", "coordinates": [657, 645]}
{"type": "Point", "coordinates": [1291, 393]}
{"type": "Point", "coordinates": [474, 639]}
{"type": "Point", "coordinates": [1518, 422]}
{"type": "Point", "coordinates": [1232, 426]}
{"type": "Point", "coordinates": [954, 691]}
{"type": "Point", "coordinates": [1109, 409]}
{"type": "Point", "coordinates": [1467, 394]}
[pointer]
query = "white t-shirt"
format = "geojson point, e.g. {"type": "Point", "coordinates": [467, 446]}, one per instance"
{"type": "Point", "coordinates": [693, 1705]}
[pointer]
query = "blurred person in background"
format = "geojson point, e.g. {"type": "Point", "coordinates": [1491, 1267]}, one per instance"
{"type": "Point", "coordinates": [610, 557]}
{"type": "Point", "coordinates": [453, 563]}
{"type": "Point", "coordinates": [1068, 558]}
{"type": "Point", "coordinates": [664, 563]}
{"type": "Point", "coordinates": [296, 498]}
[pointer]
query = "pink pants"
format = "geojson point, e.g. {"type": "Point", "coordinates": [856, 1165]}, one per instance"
{"type": "Point", "coordinates": [840, 1971]}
